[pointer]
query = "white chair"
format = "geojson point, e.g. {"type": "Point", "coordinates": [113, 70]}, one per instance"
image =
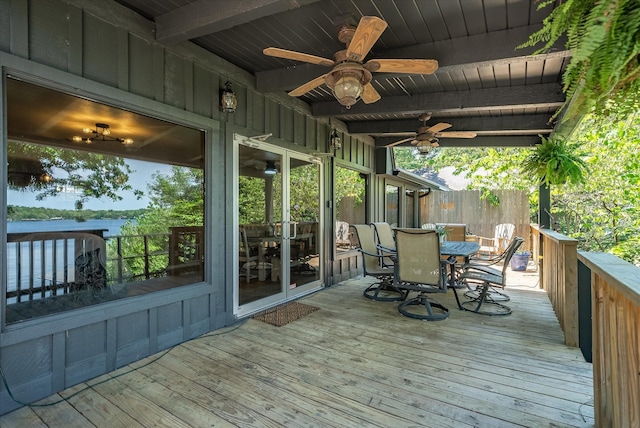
{"type": "Point", "coordinates": [501, 238]}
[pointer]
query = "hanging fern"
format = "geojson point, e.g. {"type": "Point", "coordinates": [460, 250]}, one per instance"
{"type": "Point", "coordinates": [555, 161]}
{"type": "Point", "coordinates": [604, 39]}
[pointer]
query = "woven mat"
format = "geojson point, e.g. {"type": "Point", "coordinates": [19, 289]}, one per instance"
{"type": "Point", "coordinates": [284, 314]}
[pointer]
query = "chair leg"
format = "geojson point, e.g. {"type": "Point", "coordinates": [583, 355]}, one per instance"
{"type": "Point", "coordinates": [493, 293]}
{"type": "Point", "coordinates": [491, 307]}
{"type": "Point", "coordinates": [385, 291]}
{"type": "Point", "coordinates": [424, 303]}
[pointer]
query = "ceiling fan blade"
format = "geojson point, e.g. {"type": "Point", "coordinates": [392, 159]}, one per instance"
{"type": "Point", "coordinates": [298, 56]}
{"type": "Point", "coordinates": [409, 66]}
{"type": "Point", "coordinates": [368, 32]}
{"type": "Point", "coordinates": [395, 143]}
{"type": "Point", "coordinates": [369, 94]}
{"type": "Point", "coordinates": [310, 85]}
{"type": "Point", "coordinates": [457, 134]}
{"type": "Point", "coordinates": [439, 127]}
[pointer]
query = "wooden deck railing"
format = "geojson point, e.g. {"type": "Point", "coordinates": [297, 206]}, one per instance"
{"type": "Point", "coordinates": [615, 286]}
{"type": "Point", "coordinates": [559, 278]}
{"type": "Point", "coordinates": [45, 264]}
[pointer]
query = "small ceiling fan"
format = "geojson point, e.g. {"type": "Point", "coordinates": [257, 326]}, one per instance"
{"type": "Point", "coordinates": [349, 78]}
{"type": "Point", "coordinates": [427, 137]}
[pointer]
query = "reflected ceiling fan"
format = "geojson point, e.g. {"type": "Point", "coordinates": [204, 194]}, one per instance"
{"type": "Point", "coordinates": [350, 79]}
{"type": "Point", "coordinates": [428, 137]}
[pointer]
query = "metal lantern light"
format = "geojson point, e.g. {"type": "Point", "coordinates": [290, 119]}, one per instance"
{"type": "Point", "coordinates": [228, 100]}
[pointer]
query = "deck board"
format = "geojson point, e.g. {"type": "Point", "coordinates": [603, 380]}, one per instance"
{"type": "Point", "coordinates": [354, 363]}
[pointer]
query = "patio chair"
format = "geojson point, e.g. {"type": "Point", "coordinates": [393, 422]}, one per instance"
{"type": "Point", "coordinates": [419, 268]}
{"type": "Point", "coordinates": [383, 290]}
{"type": "Point", "coordinates": [503, 233]}
{"type": "Point", "coordinates": [248, 255]}
{"type": "Point", "coordinates": [484, 280]}
{"type": "Point", "coordinates": [487, 266]}
{"type": "Point", "coordinates": [385, 241]}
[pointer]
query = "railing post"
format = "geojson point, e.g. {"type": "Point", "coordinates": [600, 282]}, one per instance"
{"type": "Point", "coordinates": [559, 277]}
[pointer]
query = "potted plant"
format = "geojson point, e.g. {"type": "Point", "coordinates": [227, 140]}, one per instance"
{"type": "Point", "coordinates": [555, 161]}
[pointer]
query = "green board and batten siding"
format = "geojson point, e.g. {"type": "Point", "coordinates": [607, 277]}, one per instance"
{"type": "Point", "coordinates": [104, 50]}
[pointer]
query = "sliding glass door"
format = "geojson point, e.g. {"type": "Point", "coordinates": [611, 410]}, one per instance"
{"type": "Point", "coordinates": [278, 220]}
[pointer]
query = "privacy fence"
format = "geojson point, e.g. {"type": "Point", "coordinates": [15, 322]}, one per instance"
{"type": "Point", "coordinates": [481, 218]}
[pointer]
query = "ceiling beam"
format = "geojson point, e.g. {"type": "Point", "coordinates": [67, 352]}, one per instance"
{"type": "Point", "coordinates": [479, 141]}
{"type": "Point", "coordinates": [210, 16]}
{"type": "Point", "coordinates": [480, 50]}
{"type": "Point", "coordinates": [544, 95]}
{"type": "Point", "coordinates": [380, 128]}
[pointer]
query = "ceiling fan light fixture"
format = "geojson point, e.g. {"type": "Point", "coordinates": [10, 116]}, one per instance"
{"type": "Point", "coordinates": [348, 88]}
{"type": "Point", "coordinates": [423, 149]}
{"type": "Point", "coordinates": [270, 169]}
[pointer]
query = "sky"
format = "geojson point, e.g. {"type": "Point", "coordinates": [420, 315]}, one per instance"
{"type": "Point", "coordinates": [142, 172]}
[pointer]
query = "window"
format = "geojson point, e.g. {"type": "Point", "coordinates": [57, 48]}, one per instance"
{"type": "Point", "coordinates": [350, 203]}
{"type": "Point", "coordinates": [106, 213]}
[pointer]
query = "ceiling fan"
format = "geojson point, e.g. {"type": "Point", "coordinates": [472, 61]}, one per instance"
{"type": "Point", "coordinates": [350, 79]}
{"type": "Point", "coordinates": [428, 137]}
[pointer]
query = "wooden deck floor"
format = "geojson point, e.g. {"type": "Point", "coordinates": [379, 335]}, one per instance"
{"type": "Point", "coordinates": [354, 363]}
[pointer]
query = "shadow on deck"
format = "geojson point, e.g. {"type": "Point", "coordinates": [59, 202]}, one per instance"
{"type": "Point", "coordinates": [355, 362]}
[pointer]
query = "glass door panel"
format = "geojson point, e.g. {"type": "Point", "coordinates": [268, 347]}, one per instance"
{"type": "Point", "coordinates": [278, 218]}
{"type": "Point", "coordinates": [304, 197]}
{"type": "Point", "coordinates": [260, 220]}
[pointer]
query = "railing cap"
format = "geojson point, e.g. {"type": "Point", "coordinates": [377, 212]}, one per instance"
{"type": "Point", "coordinates": [558, 237]}
{"type": "Point", "coordinates": [620, 274]}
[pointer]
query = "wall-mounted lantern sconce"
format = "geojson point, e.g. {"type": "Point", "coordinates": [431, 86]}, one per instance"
{"type": "Point", "coordinates": [336, 143]}
{"type": "Point", "coordinates": [228, 100]}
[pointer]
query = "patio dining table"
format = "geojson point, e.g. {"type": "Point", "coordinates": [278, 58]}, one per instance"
{"type": "Point", "coordinates": [463, 249]}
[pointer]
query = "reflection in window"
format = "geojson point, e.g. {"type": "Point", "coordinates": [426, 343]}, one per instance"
{"type": "Point", "coordinates": [98, 217]}
{"type": "Point", "coordinates": [350, 203]}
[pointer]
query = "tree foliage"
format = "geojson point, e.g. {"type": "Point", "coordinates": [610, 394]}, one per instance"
{"type": "Point", "coordinates": [603, 212]}
{"type": "Point", "coordinates": [51, 170]}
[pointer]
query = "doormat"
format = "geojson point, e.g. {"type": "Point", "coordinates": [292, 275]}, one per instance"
{"type": "Point", "coordinates": [284, 314]}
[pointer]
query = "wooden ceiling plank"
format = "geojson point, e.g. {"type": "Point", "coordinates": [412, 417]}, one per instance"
{"type": "Point", "coordinates": [210, 16]}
